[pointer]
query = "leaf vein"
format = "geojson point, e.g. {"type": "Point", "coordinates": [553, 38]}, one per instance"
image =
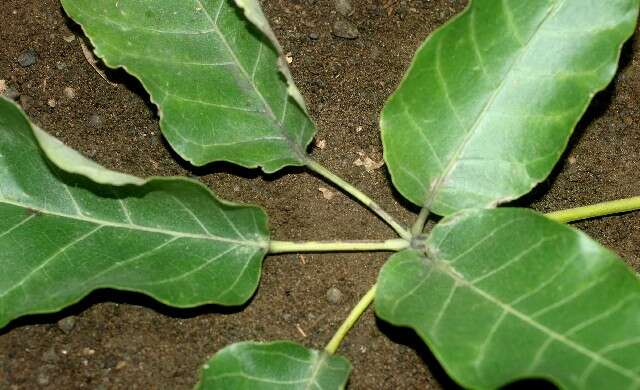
{"type": "Point", "coordinates": [48, 260]}
{"type": "Point", "coordinates": [551, 334]}
{"type": "Point", "coordinates": [17, 225]}
{"type": "Point", "coordinates": [483, 112]}
{"type": "Point", "coordinates": [104, 223]}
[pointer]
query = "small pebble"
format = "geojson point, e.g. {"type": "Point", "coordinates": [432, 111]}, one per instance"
{"type": "Point", "coordinates": [334, 295]}
{"type": "Point", "coordinates": [67, 324]}
{"type": "Point", "coordinates": [375, 52]}
{"type": "Point", "coordinates": [69, 38]}
{"type": "Point", "coordinates": [28, 58]}
{"type": "Point", "coordinates": [51, 103]}
{"type": "Point", "coordinates": [313, 36]}
{"type": "Point", "coordinates": [345, 29]}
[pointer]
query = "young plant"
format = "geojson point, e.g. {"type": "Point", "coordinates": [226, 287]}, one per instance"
{"type": "Point", "coordinates": [482, 116]}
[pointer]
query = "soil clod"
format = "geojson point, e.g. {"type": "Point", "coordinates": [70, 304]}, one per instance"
{"type": "Point", "coordinates": [50, 356]}
{"type": "Point", "coordinates": [95, 121]}
{"type": "Point", "coordinates": [26, 102]}
{"type": "Point", "coordinates": [343, 28]}
{"type": "Point", "coordinates": [344, 7]}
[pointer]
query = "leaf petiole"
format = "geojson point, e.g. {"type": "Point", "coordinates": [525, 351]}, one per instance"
{"type": "Point", "coordinates": [595, 210]}
{"type": "Point", "coordinates": [348, 323]}
{"type": "Point", "coordinates": [360, 196]}
{"type": "Point", "coordinates": [418, 226]}
{"type": "Point", "coordinates": [396, 244]}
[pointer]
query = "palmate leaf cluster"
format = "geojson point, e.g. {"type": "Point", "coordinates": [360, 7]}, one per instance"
{"type": "Point", "coordinates": [483, 114]}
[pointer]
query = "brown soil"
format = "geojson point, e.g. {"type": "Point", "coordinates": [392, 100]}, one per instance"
{"type": "Point", "coordinates": [127, 341]}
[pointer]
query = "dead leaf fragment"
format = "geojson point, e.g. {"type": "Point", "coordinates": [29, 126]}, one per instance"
{"type": "Point", "coordinates": [327, 193]}
{"type": "Point", "coordinates": [299, 328]}
{"type": "Point", "coordinates": [371, 165]}
{"type": "Point", "coordinates": [69, 92]}
{"type": "Point", "coordinates": [91, 59]}
{"type": "Point", "coordinates": [390, 6]}
{"type": "Point", "coordinates": [3, 86]}
{"type": "Point", "coordinates": [367, 162]}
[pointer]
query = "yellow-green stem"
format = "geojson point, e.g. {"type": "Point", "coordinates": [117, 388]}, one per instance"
{"type": "Point", "coordinates": [395, 244]}
{"type": "Point", "coordinates": [418, 226]}
{"type": "Point", "coordinates": [353, 317]}
{"type": "Point", "coordinates": [595, 210]}
{"type": "Point", "coordinates": [360, 196]}
{"type": "Point", "coordinates": [562, 216]}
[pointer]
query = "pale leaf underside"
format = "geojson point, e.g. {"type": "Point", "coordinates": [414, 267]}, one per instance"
{"type": "Point", "coordinates": [214, 76]}
{"type": "Point", "coordinates": [276, 365]}
{"type": "Point", "coordinates": [62, 235]}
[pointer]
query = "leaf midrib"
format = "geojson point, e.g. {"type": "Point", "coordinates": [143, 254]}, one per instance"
{"type": "Point", "coordinates": [269, 111]}
{"type": "Point", "coordinates": [435, 190]}
{"type": "Point", "coordinates": [147, 229]}
{"type": "Point", "coordinates": [315, 368]}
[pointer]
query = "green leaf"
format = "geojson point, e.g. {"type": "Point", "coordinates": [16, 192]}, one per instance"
{"type": "Point", "coordinates": [63, 235]}
{"type": "Point", "coordinates": [491, 98]}
{"type": "Point", "coordinates": [221, 85]}
{"type": "Point", "coordinates": [276, 365]}
{"type": "Point", "coordinates": [507, 294]}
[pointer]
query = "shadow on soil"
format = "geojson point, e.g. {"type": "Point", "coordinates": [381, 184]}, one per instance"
{"type": "Point", "coordinates": [409, 338]}
{"type": "Point", "coordinates": [121, 297]}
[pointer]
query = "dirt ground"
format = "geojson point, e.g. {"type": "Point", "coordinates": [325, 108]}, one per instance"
{"type": "Point", "coordinates": [115, 340]}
